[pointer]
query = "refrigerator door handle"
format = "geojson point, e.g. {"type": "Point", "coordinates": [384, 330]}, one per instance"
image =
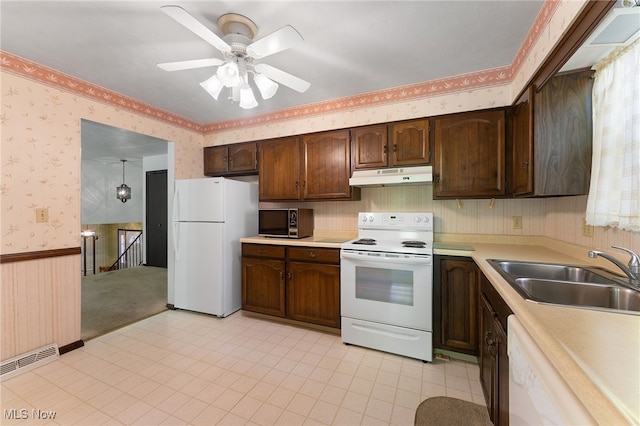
{"type": "Point", "coordinates": [175, 240]}
{"type": "Point", "coordinates": [176, 202]}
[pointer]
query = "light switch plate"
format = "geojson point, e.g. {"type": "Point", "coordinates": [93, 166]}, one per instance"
{"type": "Point", "coordinates": [42, 215]}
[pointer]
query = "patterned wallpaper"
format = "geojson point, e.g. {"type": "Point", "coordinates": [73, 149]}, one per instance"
{"type": "Point", "coordinates": [40, 159]}
{"type": "Point", "coordinates": [42, 109]}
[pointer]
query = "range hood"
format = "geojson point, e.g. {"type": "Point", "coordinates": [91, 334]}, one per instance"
{"type": "Point", "coordinates": [396, 176]}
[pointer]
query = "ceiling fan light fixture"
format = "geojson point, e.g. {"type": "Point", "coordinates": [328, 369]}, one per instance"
{"type": "Point", "coordinates": [247, 98]}
{"type": "Point", "coordinates": [267, 87]}
{"type": "Point", "coordinates": [240, 50]}
{"type": "Point", "coordinates": [229, 74]}
{"type": "Point", "coordinates": [213, 86]}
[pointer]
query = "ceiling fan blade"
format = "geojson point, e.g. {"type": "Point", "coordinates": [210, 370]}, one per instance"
{"type": "Point", "coordinates": [188, 65]}
{"type": "Point", "coordinates": [279, 40]}
{"type": "Point", "coordinates": [192, 24]}
{"type": "Point", "coordinates": [275, 74]}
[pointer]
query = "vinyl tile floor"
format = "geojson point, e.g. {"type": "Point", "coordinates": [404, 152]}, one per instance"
{"type": "Point", "coordinates": [183, 368]}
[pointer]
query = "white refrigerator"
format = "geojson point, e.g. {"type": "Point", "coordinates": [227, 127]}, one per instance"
{"type": "Point", "coordinates": [209, 217]}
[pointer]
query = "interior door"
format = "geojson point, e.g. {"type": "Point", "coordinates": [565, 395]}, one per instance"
{"type": "Point", "coordinates": [156, 218]}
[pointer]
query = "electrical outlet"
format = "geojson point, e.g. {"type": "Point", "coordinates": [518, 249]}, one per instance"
{"type": "Point", "coordinates": [42, 215]}
{"type": "Point", "coordinates": [587, 230]}
{"type": "Point", "coordinates": [516, 222]}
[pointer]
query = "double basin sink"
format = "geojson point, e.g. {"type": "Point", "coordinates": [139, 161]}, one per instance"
{"type": "Point", "coordinates": [569, 285]}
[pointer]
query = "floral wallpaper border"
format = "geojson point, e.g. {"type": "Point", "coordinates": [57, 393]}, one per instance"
{"type": "Point", "coordinates": [498, 76]}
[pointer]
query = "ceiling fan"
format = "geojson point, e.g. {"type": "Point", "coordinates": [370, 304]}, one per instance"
{"type": "Point", "coordinates": [240, 52]}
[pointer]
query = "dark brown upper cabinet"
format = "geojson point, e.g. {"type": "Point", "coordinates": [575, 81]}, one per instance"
{"type": "Point", "coordinates": [234, 159]}
{"type": "Point", "coordinates": [469, 155]}
{"type": "Point", "coordinates": [311, 167]}
{"type": "Point", "coordinates": [404, 143]}
{"type": "Point", "coordinates": [326, 165]}
{"type": "Point", "coordinates": [552, 138]}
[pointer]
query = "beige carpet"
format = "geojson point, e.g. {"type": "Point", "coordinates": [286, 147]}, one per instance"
{"type": "Point", "coordinates": [445, 411]}
{"type": "Point", "coordinates": [113, 299]}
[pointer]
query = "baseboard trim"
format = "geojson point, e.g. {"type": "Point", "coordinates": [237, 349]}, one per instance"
{"type": "Point", "coordinates": [71, 346]}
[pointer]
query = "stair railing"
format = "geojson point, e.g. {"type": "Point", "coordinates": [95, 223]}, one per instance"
{"type": "Point", "coordinates": [131, 257]}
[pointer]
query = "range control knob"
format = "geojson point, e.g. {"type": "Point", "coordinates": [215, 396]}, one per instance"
{"type": "Point", "coordinates": [371, 217]}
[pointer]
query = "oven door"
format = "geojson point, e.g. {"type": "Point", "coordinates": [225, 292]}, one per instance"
{"type": "Point", "coordinates": [387, 288]}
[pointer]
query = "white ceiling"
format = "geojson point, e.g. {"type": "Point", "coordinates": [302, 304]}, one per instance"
{"type": "Point", "coordinates": [351, 47]}
{"type": "Point", "coordinates": [108, 144]}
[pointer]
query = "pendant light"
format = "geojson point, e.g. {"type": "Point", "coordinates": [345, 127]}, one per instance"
{"type": "Point", "coordinates": [123, 192]}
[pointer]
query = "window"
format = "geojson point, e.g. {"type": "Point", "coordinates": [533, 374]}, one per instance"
{"type": "Point", "coordinates": [614, 194]}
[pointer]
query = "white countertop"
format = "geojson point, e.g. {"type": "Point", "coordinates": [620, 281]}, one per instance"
{"type": "Point", "coordinates": [326, 239]}
{"type": "Point", "coordinates": [597, 353]}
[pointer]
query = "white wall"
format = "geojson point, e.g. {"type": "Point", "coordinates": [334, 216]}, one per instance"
{"type": "Point", "coordinates": [99, 202]}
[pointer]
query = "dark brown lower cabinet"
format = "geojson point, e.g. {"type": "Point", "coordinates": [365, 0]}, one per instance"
{"type": "Point", "coordinates": [494, 361]}
{"type": "Point", "coordinates": [263, 279]}
{"type": "Point", "coordinates": [313, 293]}
{"type": "Point", "coordinates": [456, 287]}
{"type": "Point", "coordinates": [299, 283]}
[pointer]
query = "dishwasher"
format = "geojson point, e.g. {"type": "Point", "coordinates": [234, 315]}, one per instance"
{"type": "Point", "coordinates": [537, 393]}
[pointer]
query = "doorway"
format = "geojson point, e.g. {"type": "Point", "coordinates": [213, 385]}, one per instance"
{"type": "Point", "coordinates": [156, 218]}
{"type": "Point", "coordinates": [118, 297]}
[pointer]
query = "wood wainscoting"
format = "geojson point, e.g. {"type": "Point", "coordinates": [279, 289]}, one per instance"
{"type": "Point", "coordinates": [40, 300]}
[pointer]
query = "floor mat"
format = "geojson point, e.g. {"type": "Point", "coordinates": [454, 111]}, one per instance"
{"type": "Point", "coordinates": [445, 411]}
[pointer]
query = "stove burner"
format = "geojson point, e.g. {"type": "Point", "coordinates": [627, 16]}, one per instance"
{"type": "Point", "coordinates": [366, 241]}
{"type": "Point", "coordinates": [413, 244]}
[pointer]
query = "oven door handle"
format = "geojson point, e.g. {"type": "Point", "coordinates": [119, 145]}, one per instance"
{"type": "Point", "coordinates": [382, 257]}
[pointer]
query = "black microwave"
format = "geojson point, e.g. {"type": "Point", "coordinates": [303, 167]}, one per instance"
{"type": "Point", "coordinates": [285, 223]}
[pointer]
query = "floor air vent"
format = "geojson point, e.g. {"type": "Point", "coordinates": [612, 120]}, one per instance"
{"type": "Point", "coordinates": [25, 362]}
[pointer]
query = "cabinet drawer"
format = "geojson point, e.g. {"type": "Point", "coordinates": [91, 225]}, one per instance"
{"type": "Point", "coordinates": [263, 250]}
{"type": "Point", "coordinates": [310, 254]}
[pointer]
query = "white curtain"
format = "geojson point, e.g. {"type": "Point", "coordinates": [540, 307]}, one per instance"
{"type": "Point", "coordinates": [614, 194]}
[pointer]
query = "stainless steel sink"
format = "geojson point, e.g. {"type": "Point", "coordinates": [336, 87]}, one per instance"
{"type": "Point", "coordinates": [581, 294]}
{"type": "Point", "coordinates": [552, 271]}
{"type": "Point", "coordinates": [569, 285]}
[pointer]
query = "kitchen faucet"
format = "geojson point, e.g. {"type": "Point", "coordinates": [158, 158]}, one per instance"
{"type": "Point", "coordinates": [633, 271]}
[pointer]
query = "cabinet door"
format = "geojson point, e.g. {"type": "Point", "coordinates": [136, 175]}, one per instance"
{"type": "Point", "coordinates": [243, 157]}
{"type": "Point", "coordinates": [313, 293]}
{"type": "Point", "coordinates": [469, 155]}
{"type": "Point", "coordinates": [502, 372]}
{"type": "Point", "coordinates": [410, 143]}
{"type": "Point", "coordinates": [460, 286]}
{"type": "Point", "coordinates": [279, 163]}
{"type": "Point", "coordinates": [370, 147]}
{"type": "Point", "coordinates": [326, 165]}
{"type": "Point", "coordinates": [487, 361]}
{"type": "Point", "coordinates": [523, 165]}
{"type": "Point", "coordinates": [263, 286]}
{"type": "Point", "coordinates": [563, 135]}
{"type": "Point", "coordinates": [215, 160]}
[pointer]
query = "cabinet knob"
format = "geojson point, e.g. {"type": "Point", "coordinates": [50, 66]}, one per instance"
{"type": "Point", "coordinates": [281, 275]}
{"type": "Point", "coordinates": [525, 164]}
{"type": "Point", "coordinates": [312, 255]}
